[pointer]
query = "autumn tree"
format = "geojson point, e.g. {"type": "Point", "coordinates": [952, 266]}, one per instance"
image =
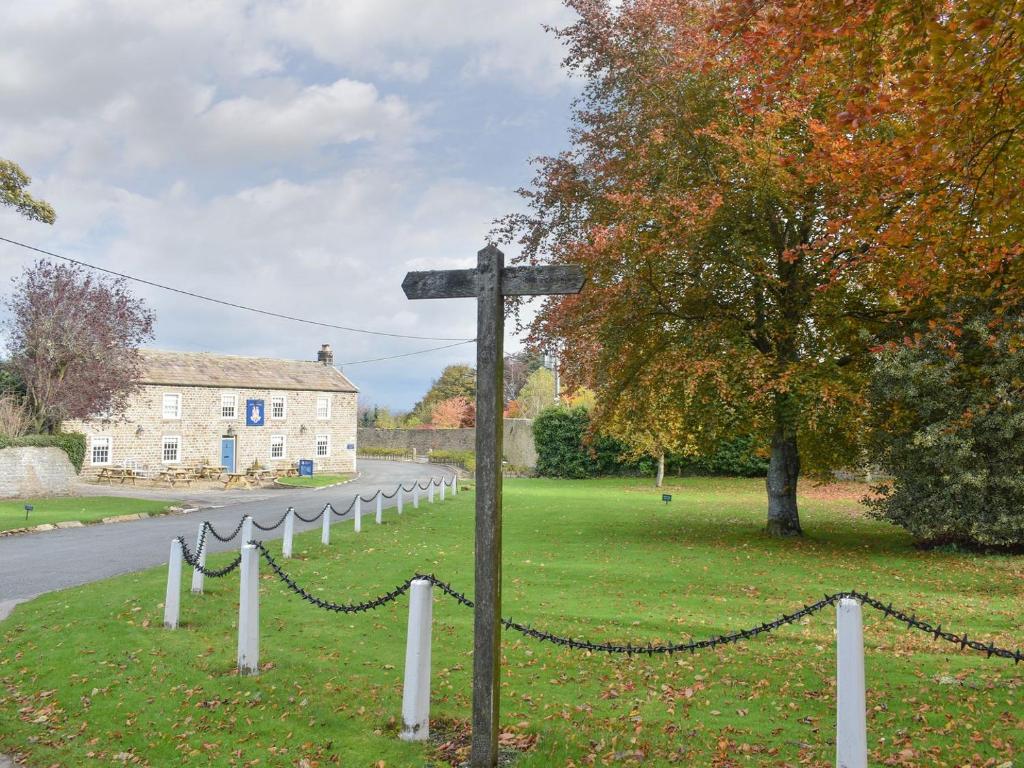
{"type": "Point", "coordinates": [709, 230]}
{"type": "Point", "coordinates": [453, 413]}
{"type": "Point", "coordinates": [454, 381]}
{"type": "Point", "coordinates": [13, 181]}
{"type": "Point", "coordinates": [73, 340]}
{"type": "Point", "coordinates": [537, 393]}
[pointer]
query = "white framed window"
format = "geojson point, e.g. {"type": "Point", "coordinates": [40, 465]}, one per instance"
{"type": "Point", "coordinates": [228, 406]}
{"type": "Point", "coordinates": [171, 449]}
{"type": "Point", "coordinates": [323, 407]}
{"type": "Point", "coordinates": [323, 445]}
{"type": "Point", "coordinates": [277, 446]}
{"type": "Point", "coordinates": [100, 450]}
{"type": "Point", "coordinates": [278, 407]}
{"type": "Point", "coordinates": [172, 405]}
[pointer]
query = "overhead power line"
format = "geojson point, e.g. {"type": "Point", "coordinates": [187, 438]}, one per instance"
{"type": "Point", "coordinates": [233, 305]}
{"type": "Point", "coordinates": [408, 354]}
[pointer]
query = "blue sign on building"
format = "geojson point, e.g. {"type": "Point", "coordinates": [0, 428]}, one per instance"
{"type": "Point", "coordinates": [305, 467]}
{"type": "Point", "coordinates": [254, 413]}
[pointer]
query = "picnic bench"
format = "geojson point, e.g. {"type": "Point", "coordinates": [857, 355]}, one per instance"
{"type": "Point", "coordinates": [174, 475]}
{"type": "Point", "coordinates": [122, 474]}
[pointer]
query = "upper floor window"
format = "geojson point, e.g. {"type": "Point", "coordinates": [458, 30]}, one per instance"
{"type": "Point", "coordinates": [172, 406]}
{"type": "Point", "coordinates": [100, 450]}
{"type": "Point", "coordinates": [278, 407]}
{"type": "Point", "coordinates": [228, 406]}
{"type": "Point", "coordinates": [323, 407]}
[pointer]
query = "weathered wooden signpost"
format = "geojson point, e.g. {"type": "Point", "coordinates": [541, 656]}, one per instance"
{"type": "Point", "coordinates": [489, 283]}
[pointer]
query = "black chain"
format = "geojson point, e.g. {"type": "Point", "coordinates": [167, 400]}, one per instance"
{"type": "Point", "coordinates": [311, 519]}
{"type": "Point", "coordinates": [275, 526]}
{"type": "Point", "coordinates": [409, 489]}
{"type": "Point", "coordinates": [193, 561]}
{"type": "Point", "coordinates": [650, 649]}
{"type": "Point", "coordinates": [234, 533]}
{"type": "Point", "coordinates": [392, 494]}
{"type": "Point", "coordinates": [371, 498]}
{"type": "Point", "coordinates": [347, 510]}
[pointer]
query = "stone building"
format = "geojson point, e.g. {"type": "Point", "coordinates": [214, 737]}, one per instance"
{"type": "Point", "coordinates": [194, 407]}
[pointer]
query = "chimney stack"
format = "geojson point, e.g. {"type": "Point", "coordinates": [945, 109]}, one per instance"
{"type": "Point", "coordinates": [325, 355]}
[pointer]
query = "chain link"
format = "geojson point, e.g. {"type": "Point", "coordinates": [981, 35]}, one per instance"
{"type": "Point", "coordinates": [193, 561]}
{"type": "Point", "coordinates": [275, 526]}
{"type": "Point", "coordinates": [347, 509]}
{"type": "Point", "coordinates": [311, 519]}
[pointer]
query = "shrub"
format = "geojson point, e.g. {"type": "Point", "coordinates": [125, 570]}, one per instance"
{"type": "Point", "coordinates": [948, 425]}
{"type": "Point", "coordinates": [558, 436]}
{"type": "Point", "coordinates": [402, 453]}
{"type": "Point", "coordinates": [72, 443]}
{"type": "Point", "coordinates": [464, 459]}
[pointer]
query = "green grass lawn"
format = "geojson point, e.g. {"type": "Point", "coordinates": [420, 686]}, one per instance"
{"type": "Point", "coordinates": [315, 481]}
{"type": "Point", "coordinates": [88, 677]}
{"type": "Point", "coordinates": [83, 508]}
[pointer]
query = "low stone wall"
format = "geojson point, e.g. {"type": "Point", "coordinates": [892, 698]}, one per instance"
{"type": "Point", "coordinates": [35, 472]}
{"type": "Point", "coordinates": [518, 440]}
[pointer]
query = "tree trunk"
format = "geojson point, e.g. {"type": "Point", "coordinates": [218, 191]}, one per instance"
{"type": "Point", "coordinates": [783, 472]}
{"type": "Point", "coordinates": [661, 470]}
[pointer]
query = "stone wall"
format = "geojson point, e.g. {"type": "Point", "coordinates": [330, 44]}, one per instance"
{"type": "Point", "coordinates": [35, 472]}
{"type": "Point", "coordinates": [137, 436]}
{"type": "Point", "coordinates": [518, 440]}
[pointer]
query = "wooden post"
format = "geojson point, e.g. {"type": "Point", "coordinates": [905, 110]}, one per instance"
{"type": "Point", "coordinates": [172, 597]}
{"type": "Point", "coordinates": [246, 529]}
{"type": "Point", "coordinates": [325, 526]}
{"type": "Point", "coordinates": [851, 714]}
{"type": "Point", "coordinates": [249, 612]}
{"type": "Point", "coordinates": [197, 575]}
{"type": "Point", "coordinates": [289, 533]}
{"type": "Point", "coordinates": [416, 691]}
{"type": "Point", "coordinates": [489, 283]}
{"type": "Point", "coordinates": [380, 501]}
{"type": "Point", "coordinates": [358, 513]}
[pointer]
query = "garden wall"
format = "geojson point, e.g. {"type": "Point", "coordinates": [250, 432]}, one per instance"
{"type": "Point", "coordinates": [518, 440]}
{"type": "Point", "coordinates": [35, 472]}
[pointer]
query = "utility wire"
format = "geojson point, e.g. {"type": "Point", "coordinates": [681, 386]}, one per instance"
{"type": "Point", "coordinates": [242, 306]}
{"type": "Point", "coordinates": [408, 354]}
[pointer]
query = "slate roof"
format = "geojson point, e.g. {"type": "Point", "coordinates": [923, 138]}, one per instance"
{"type": "Point", "coordinates": [203, 369]}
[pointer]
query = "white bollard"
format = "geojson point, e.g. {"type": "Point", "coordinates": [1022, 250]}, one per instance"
{"type": "Point", "coordinates": [172, 598]}
{"type": "Point", "coordinates": [325, 527]}
{"type": "Point", "coordinates": [443, 484]}
{"type": "Point", "coordinates": [416, 495]}
{"type": "Point", "coordinates": [358, 514]}
{"type": "Point", "coordinates": [398, 495]}
{"type": "Point", "coordinates": [416, 692]}
{"type": "Point", "coordinates": [380, 499]}
{"type": "Point", "coordinates": [455, 485]}
{"type": "Point", "coordinates": [430, 491]}
{"type": "Point", "coordinates": [246, 529]}
{"type": "Point", "coordinates": [249, 612]}
{"type": "Point", "coordinates": [851, 714]}
{"type": "Point", "coordinates": [197, 575]}
{"type": "Point", "coordinates": [289, 533]}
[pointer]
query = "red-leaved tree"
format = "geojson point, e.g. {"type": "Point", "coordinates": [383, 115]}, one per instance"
{"type": "Point", "coordinates": [453, 413]}
{"type": "Point", "coordinates": [73, 339]}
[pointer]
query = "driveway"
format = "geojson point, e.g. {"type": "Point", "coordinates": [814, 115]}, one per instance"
{"type": "Point", "coordinates": [34, 563]}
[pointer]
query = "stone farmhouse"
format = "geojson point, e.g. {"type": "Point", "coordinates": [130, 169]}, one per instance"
{"type": "Point", "coordinates": [197, 408]}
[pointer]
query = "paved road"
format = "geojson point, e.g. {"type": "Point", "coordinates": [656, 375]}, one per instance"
{"type": "Point", "coordinates": [34, 563]}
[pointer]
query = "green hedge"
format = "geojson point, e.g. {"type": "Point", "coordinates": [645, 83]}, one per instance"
{"type": "Point", "coordinates": [72, 443]}
{"type": "Point", "coordinates": [464, 459]}
{"type": "Point", "coordinates": [404, 453]}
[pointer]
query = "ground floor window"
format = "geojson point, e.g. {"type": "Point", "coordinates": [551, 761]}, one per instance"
{"type": "Point", "coordinates": [323, 445]}
{"type": "Point", "coordinates": [277, 447]}
{"type": "Point", "coordinates": [100, 450]}
{"type": "Point", "coordinates": [172, 450]}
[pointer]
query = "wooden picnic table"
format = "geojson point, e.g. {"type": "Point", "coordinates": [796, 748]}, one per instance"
{"type": "Point", "coordinates": [110, 474]}
{"type": "Point", "coordinates": [259, 475]}
{"type": "Point", "coordinates": [210, 471]}
{"type": "Point", "coordinates": [237, 480]}
{"type": "Point", "coordinates": [177, 474]}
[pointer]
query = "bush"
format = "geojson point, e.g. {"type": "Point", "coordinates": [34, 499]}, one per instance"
{"type": "Point", "coordinates": [400, 453]}
{"type": "Point", "coordinates": [732, 458]}
{"type": "Point", "coordinates": [464, 459]}
{"type": "Point", "coordinates": [72, 443]}
{"type": "Point", "coordinates": [558, 436]}
{"type": "Point", "coordinates": [948, 426]}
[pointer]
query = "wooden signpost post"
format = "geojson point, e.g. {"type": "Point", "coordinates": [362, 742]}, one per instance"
{"type": "Point", "coordinates": [489, 283]}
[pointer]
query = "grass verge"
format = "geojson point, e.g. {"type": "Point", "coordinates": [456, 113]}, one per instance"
{"type": "Point", "coordinates": [87, 509]}
{"type": "Point", "coordinates": [89, 677]}
{"type": "Point", "coordinates": [315, 481]}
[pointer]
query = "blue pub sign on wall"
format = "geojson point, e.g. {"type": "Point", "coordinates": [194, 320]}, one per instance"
{"type": "Point", "coordinates": [254, 413]}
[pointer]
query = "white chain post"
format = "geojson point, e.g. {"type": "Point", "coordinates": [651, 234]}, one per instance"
{"type": "Point", "coordinates": [172, 598]}
{"type": "Point", "coordinates": [380, 501]}
{"type": "Point", "coordinates": [455, 485]}
{"type": "Point", "coordinates": [416, 692]}
{"type": "Point", "coordinates": [851, 713]}
{"type": "Point", "coordinates": [430, 491]}
{"type": "Point", "coordinates": [289, 533]}
{"type": "Point", "coordinates": [325, 527]}
{"type": "Point", "coordinates": [246, 529]}
{"type": "Point", "coordinates": [444, 483]}
{"type": "Point", "coordinates": [399, 494]}
{"type": "Point", "coordinates": [249, 612]}
{"type": "Point", "coordinates": [197, 575]}
{"type": "Point", "coordinates": [358, 513]}
{"type": "Point", "coordinates": [416, 494]}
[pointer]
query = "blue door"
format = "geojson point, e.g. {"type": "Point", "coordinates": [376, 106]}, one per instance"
{"type": "Point", "coordinates": [227, 453]}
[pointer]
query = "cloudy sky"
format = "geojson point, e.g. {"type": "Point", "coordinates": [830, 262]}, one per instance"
{"type": "Point", "coordinates": [294, 155]}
